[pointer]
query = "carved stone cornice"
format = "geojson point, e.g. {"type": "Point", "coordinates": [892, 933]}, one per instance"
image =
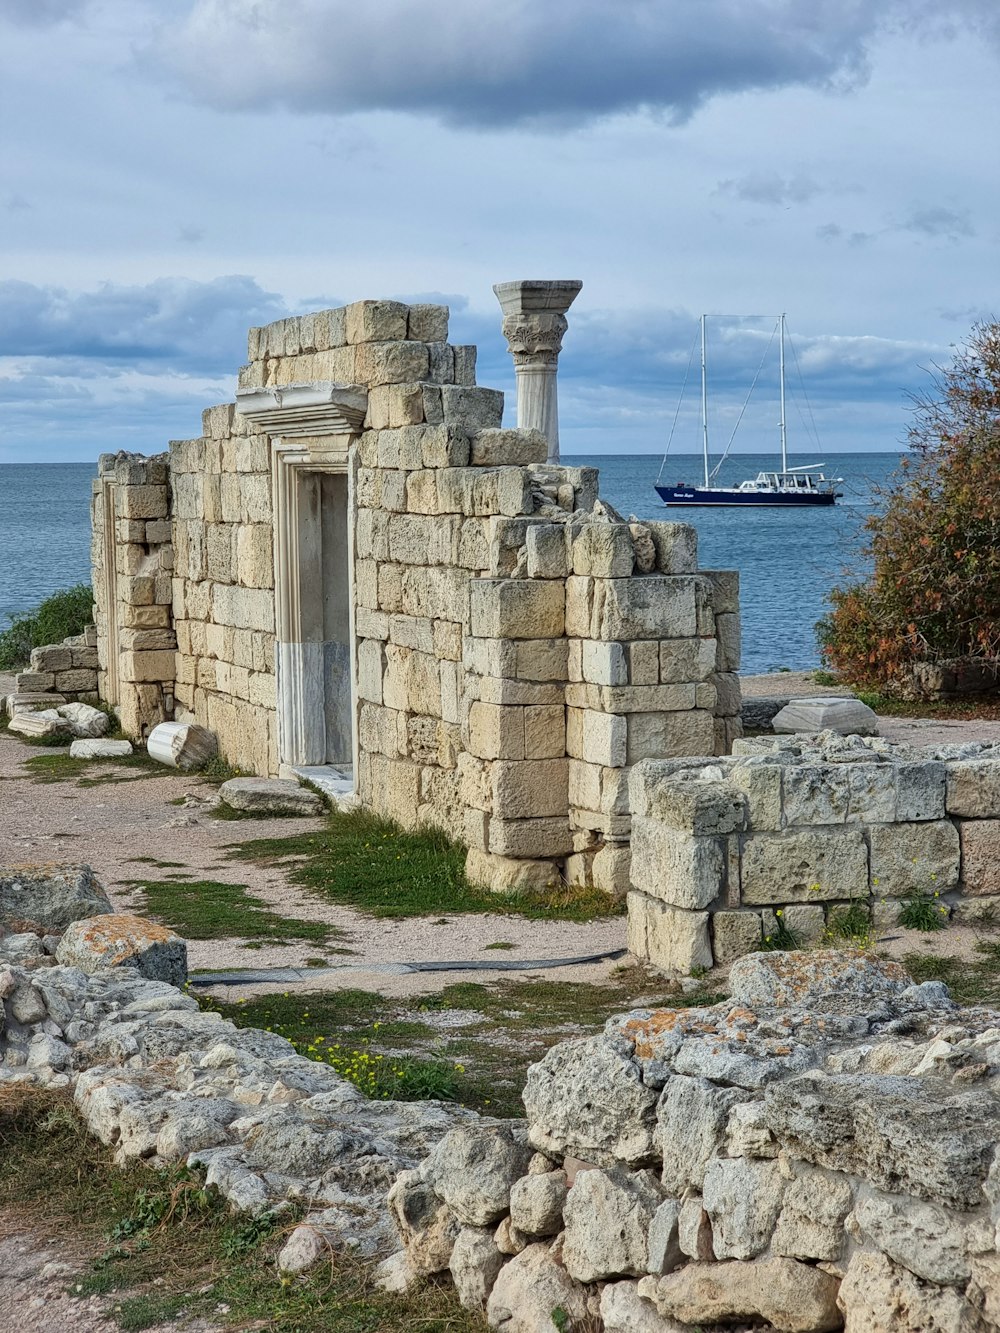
{"type": "Point", "coordinates": [305, 409]}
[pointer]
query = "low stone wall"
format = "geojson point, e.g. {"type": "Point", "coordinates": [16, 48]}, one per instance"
{"type": "Point", "coordinates": [788, 832]}
{"type": "Point", "coordinates": [68, 668]}
{"type": "Point", "coordinates": [818, 1152]}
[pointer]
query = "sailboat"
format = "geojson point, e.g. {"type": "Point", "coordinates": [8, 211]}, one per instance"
{"type": "Point", "coordinates": [789, 486]}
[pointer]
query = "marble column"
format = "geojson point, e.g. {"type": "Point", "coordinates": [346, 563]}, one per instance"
{"type": "Point", "coordinates": [534, 321]}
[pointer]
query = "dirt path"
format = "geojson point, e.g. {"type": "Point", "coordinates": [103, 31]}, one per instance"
{"type": "Point", "coordinates": [111, 826]}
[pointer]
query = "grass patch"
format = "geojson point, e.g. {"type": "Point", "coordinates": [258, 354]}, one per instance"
{"type": "Point", "coordinates": [49, 768]}
{"type": "Point", "coordinates": [971, 981]}
{"type": "Point", "coordinates": [923, 913]}
{"type": "Point", "coordinates": [414, 1048]}
{"type": "Point", "coordinates": [851, 925]}
{"type": "Point", "coordinates": [360, 860]}
{"type": "Point", "coordinates": [206, 909]}
{"type": "Point", "coordinates": [972, 708]}
{"type": "Point", "coordinates": [168, 1247]}
{"type": "Point", "coordinates": [219, 770]}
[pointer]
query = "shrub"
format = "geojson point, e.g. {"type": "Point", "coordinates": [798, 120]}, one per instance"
{"type": "Point", "coordinates": [63, 614]}
{"type": "Point", "coordinates": [934, 589]}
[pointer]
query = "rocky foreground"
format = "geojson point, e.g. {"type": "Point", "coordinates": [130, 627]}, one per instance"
{"type": "Point", "coordinates": [819, 1151]}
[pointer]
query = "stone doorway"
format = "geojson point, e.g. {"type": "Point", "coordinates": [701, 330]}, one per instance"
{"type": "Point", "coordinates": [313, 577]}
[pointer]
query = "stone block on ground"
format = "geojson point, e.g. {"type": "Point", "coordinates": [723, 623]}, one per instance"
{"type": "Point", "coordinates": [51, 896]}
{"type": "Point", "coordinates": [40, 725]}
{"type": "Point", "coordinates": [793, 1297]}
{"type": "Point", "coordinates": [182, 745]}
{"type": "Point", "coordinates": [100, 749]}
{"type": "Point", "coordinates": [86, 722]}
{"type": "Point", "coordinates": [29, 701]}
{"type": "Point", "coordinates": [847, 717]}
{"type": "Point", "coordinates": [274, 796]}
{"type": "Point", "coordinates": [123, 940]}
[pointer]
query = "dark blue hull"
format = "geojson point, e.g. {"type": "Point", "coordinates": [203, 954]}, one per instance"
{"type": "Point", "coordinates": [697, 495]}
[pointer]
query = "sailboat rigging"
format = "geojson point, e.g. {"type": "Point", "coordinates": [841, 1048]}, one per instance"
{"type": "Point", "coordinates": [791, 486]}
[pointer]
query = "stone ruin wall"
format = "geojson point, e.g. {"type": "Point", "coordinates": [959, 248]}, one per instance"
{"type": "Point", "coordinates": [793, 831]}
{"type": "Point", "coordinates": [518, 647]}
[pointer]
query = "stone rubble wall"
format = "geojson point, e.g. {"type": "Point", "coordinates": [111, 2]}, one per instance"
{"type": "Point", "coordinates": [518, 645]}
{"type": "Point", "coordinates": [68, 669]}
{"type": "Point", "coordinates": [817, 1152]}
{"type": "Point", "coordinates": [793, 831]}
{"type": "Point", "coordinates": [132, 493]}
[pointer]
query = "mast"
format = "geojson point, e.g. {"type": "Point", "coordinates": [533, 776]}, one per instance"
{"type": "Point", "coordinates": [781, 344]}
{"type": "Point", "coordinates": [704, 400]}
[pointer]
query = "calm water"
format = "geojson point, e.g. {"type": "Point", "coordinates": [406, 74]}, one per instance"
{"type": "Point", "coordinates": [787, 559]}
{"type": "Point", "coordinates": [44, 531]}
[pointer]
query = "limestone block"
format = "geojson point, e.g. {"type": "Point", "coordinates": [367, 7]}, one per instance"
{"type": "Point", "coordinates": [390, 363]}
{"type": "Point", "coordinates": [728, 642]}
{"type": "Point", "coordinates": [50, 897]}
{"type": "Point", "coordinates": [376, 322]}
{"type": "Point", "coordinates": [676, 547]}
{"type": "Point", "coordinates": [804, 866]}
{"type": "Point", "coordinates": [544, 731]}
{"type": "Point", "coordinates": [878, 1296]}
{"type": "Point", "coordinates": [914, 858]}
{"type": "Point", "coordinates": [461, 405]}
{"type": "Point", "coordinates": [847, 717]}
{"type": "Point", "coordinates": [596, 738]}
{"type": "Point", "coordinates": [603, 550]}
{"type": "Point", "coordinates": [806, 923]}
{"type": "Point", "coordinates": [139, 591]}
{"type": "Point", "coordinates": [694, 1231]}
{"type": "Point", "coordinates": [530, 1287]}
{"type": "Point", "coordinates": [393, 405]}
{"type": "Point", "coordinates": [643, 664]}
{"type": "Point", "coordinates": [530, 790]}
{"type": "Point", "coordinates": [743, 1198]}
{"type": "Point", "coordinates": [142, 502]}
{"type": "Point", "coordinates": [660, 735]}
{"type": "Point", "coordinates": [691, 1120]}
{"type": "Point", "coordinates": [923, 1237]}
{"type": "Point", "coordinates": [761, 780]}
{"type": "Point", "coordinates": [604, 663]}
{"type": "Point", "coordinates": [920, 790]}
{"type": "Point", "coordinates": [687, 802]}
{"type": "Point", "coordinates": [254, 559]}
{"type": "Point", "coordinates": [444, 446]}
{"type": "Point", "coordinates": [243, 608]}
{"type": "Point", "coordinates": [546, 551]}
{"type": "Point", "coordinates": [653, 607]}
{"type": "Point", "coordinates": [85, 658]}
{"type": "Point", "coordinates": [441, 359]}
{"type": "Point", "coordinates": [811, 1224]}
{"type": "Point", "coordinates": [270, 796]}
{"type": "Point", "coordinates": [465, 363]}
{"type": "Point", "coordinates": [124, 941]}
{"type": "Point", "coordinates": [329, 328]}
{"type": "Point", "coordinates": [980, 845]}
{"type": "Point", "coordinates": [705, 618]}
{"type": "Point", "coordinates": [507, 448]}
{"type": "Point", "coordinates": [412, 681]}
{"type": "Point", "coordinates": [678, 868]}
{"type": "Point", "coordinates": [545, 838]}
{"type": "Point", "coordinates": [79, 682]}
{"type": "Point", "coordinates": [144, 666]}
{"type": "Point", "coordinates": [816, 794]}
{"type": "Point", "coordinates": [607, 1216]}
{"type": "Point", "coordinates": [536, 1203]}
{"type": "Point", "coordinates": [517, 609]}
{"type": "Point", "coordinates": [973, 789]}
{"type": "Point", "coordinates": [669, 937]}
{"type": "Point", "coordinates": [99, 749]}
{"type": "Point", "coordinates": [735, 934]}
{"type": "Point", "coordinates": [34, 682]}
{"type": "Point", "coordinates": [791, 1297]}
{"type": "Point", "coordinates": [448, 640]}
{"type": "Point", "coordinates": [52, 658]}
{"type": "Point", "coordinates": [611, 869]}
{"type": "Point", "coordinates": [503, 874]}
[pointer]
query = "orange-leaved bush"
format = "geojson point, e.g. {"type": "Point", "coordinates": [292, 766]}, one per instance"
{"type": "Point", "coordinates": [934, 546]}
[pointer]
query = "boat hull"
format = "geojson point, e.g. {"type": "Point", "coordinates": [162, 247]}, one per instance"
{"type": "Point", "coordinates": [719, 497]}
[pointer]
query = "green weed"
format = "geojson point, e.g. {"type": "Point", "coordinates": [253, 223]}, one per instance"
{"type": "Point", "coordinates": [208, 910]}
{"type": "Point", "coordinates": [923, 913]}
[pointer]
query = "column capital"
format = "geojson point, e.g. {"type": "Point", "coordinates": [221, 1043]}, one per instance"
{"type": "Point", "coordinates": [534, 322]}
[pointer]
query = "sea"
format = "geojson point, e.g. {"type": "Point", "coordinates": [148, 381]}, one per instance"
{"type": "Point", "coordinates": [788, 559]}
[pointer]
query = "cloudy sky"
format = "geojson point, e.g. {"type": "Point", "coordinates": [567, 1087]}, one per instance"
{"type": "Point", "coordinates": [173, 171]}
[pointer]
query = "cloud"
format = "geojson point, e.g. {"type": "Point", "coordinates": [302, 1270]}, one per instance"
{"type": "Point", "coordinates": [483, 64]}
{"type": "Point", "coordinates": [938, 222]}
{"type": "Point", "coordinates": [764, 187]}
{"type": "Point", "coordinates": [175, 321]}
{"type": "Point", "coordinates": [40, 13]}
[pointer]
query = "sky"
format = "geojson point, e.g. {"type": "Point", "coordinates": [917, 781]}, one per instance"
{"type": "Point", "coordinates": [174, 171]}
